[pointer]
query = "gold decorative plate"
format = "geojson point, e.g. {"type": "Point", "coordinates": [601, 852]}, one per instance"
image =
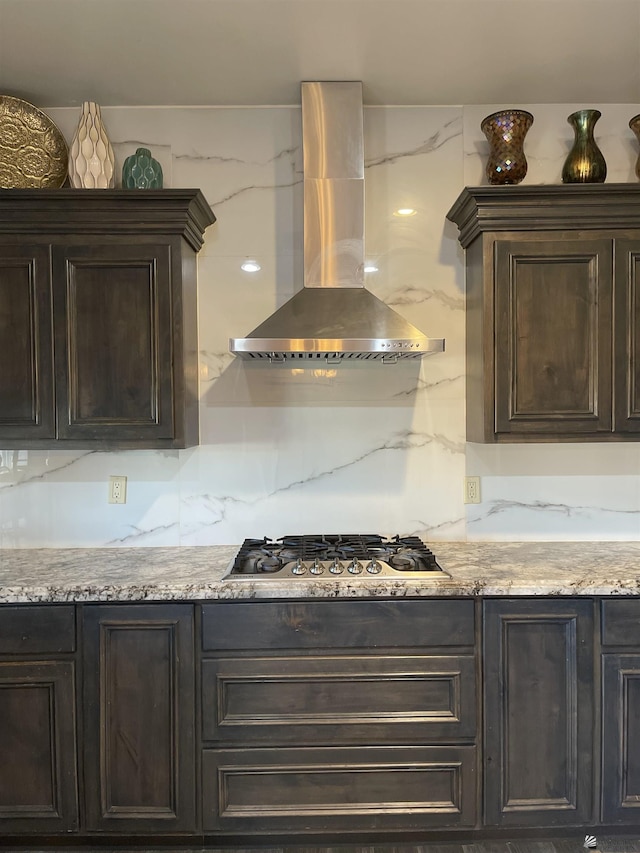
{"type": "Point", "coordinates": [33, 152]}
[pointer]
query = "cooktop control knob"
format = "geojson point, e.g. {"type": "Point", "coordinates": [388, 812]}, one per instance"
{"type": "Point", "coordinates": [336, 568]}
{"type": "Point", "coordinates": [355, 567]}
{"type": "Point", "coordinates": [316, 567]}
{"type": "Point", "coordinates": [374, 567]}
{"type": "Point", "coordinates": [298, 567]}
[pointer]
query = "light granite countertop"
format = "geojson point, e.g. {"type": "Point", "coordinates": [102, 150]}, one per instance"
{"type": "Point", "coordinates": [195, 573]}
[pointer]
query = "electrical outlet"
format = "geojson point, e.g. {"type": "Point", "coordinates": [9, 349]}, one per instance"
{"type": "Point", "coordinates": [472, 490]}
{"type": "Point", "coordinates": [117, 490]}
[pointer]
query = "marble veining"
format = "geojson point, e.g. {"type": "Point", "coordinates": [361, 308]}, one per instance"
{"type": "Point", "coordinates": [168, 574]}
{"type": "Point", "coordinates": [450, 130]}
{"type": "Point", "coordinates": [375, 449]}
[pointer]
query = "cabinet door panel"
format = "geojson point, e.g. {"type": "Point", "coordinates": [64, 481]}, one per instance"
{"type": "Point", "coordinates": [37, 747]}
{"type": "Point", "coordinates": [538, 712]}
{"type": "Point", "coordinates": [621, 739]}
{"type": "Point", "coordinates": [140, 705]}
{"type": "Point", "coordinates": [627, 336]}
{"type": "Point", "coordinates": [113, 341]}
{"type": "Point", "coordinates": [26, 369]}
{"type": "Point", "coordinates": [553, 336]}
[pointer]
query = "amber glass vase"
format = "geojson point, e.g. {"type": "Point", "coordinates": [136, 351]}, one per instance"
{"type": "Point", "coordinates": [634, 124]}
{"type": "Point", "coordinates": [505, 131]}
{"type": "Point", "coordinates": [585, 163]}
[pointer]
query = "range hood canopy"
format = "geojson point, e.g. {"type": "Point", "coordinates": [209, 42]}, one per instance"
{"type": "Point", "coordinates": [334, 317]}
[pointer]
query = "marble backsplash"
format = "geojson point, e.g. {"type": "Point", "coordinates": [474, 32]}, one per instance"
{"type": "Point", "coordinates": [353, 448]}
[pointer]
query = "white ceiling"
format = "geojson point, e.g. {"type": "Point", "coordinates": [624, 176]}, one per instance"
{"type": "Point", "coordinates": [225, 52]}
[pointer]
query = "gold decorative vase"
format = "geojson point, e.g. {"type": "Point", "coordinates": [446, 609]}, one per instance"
{"type": "Point", "coordinates": [505, 131]}
{"type": "Point", "coordinates": [585, 163]}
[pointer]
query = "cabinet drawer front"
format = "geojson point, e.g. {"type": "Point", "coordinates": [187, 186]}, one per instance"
{"type": "Point", "coordinates": [621, 622]}
{"type": "Point", "coordinates": [337, 624]}
{"type": "Point", "coordinates": [349, 788]}
{"type": "Point", "coordinates": [321, 699]}
{"type": "Point", "coordinates": [37, 629]}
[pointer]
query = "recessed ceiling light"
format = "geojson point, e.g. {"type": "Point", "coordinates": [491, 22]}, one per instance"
{"type": "Point", "coordinates": [405, 211]}
{"type": "Point", "coordinates": [250, 265]}
{"type": "Point", "coordinates": [370, 267]}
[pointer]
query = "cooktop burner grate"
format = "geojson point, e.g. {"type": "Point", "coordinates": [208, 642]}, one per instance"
{"type": "Point", "coordinates": [351, 556]}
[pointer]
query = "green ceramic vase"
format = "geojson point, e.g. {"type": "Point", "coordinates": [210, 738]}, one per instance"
{"type": "Point", "coordinates": [141, 172]}
{"type": "Point", "coordinates": [585, 163]}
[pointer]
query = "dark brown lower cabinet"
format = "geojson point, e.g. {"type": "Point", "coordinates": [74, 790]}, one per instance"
{"type": "Point", "coordinates": [139, 718]}
{"type": "Point", "coordinates": [621, 711]}
{"type": "Point", "coordinates": [621, 739]}
{"type": "Point", "coordinates": [38, 766]}
{"type": "Point", "coordinates": [539, 712]}
{"type": "Point", "coordinates": [296, 718]}
{"type": "Point", "coordinates": [38, 784]}
{"type": "Point", "coordinates": [332, 789]}
{"type": "Point", "coordinates": [338, 716]}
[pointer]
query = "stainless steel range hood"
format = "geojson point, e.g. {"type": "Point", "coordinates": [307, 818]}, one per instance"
{"type": "Point", "coordinates": [334, 317]}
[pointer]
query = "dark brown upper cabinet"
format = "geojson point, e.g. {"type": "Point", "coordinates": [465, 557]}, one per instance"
{"type": "Point", "coordinates": [552, 311]}
{"type": "Point", "coordinates": [98, 317]}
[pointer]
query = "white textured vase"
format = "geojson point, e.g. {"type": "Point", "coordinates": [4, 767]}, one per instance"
{"type": "Point", "coordinates": [91, 160]}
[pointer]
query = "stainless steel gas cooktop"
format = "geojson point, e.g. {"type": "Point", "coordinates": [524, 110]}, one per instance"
{"type": "Point", "coordinates": [348, 556]}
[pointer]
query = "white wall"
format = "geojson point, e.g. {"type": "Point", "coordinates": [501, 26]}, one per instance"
{"type": "Point", "coordinates": [352, 448]}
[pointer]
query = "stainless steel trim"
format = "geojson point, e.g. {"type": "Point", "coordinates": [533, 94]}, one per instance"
{"type": "Point", "coordinates": [342, 346]}
{"type": "Point", "coordinates": [386, 573]}
{"type": "Point", "coordinates": [333, 157]}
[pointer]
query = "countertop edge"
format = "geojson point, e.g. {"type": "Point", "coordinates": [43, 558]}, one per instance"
{"type": "Point", "coordinates": [487, 569]}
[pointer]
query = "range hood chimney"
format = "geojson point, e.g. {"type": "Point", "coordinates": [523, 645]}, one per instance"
{"type": "Point", "coordinates": [334, 317]}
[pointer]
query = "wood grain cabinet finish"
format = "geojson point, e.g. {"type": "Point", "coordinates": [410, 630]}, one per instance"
{"type": "Point", "coordinates": [26, 371]}
{"type": "Point", "coordinates": [333, 789]}
{"type": "Point", "coordinates": [539, 711]}
{"type": "Point", "coordinates": [114, 341]}
{"type": "Point", "coordinates": [298, 717]}
{"type": "Point", "coordinates": [98, 295]}
{"type": "Point", "coordinates": [317, 625]}
{"type": "Point", "coordinates": [621, 712]}
{"type": "Point", "coordinates": [553, 336]}
{"type": "Point", "coordinates": [338, 715]}
{"type": "Point", "coordinates": [38, 758]}
{"type": "Point", "coordinates": [321, 699]}
{"type": "Point", "coordinates": [627, 336]}
{"type": "Point", "coordinates": [139, 718]}
{"type": "Point", "coordinates": [551, 312]}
